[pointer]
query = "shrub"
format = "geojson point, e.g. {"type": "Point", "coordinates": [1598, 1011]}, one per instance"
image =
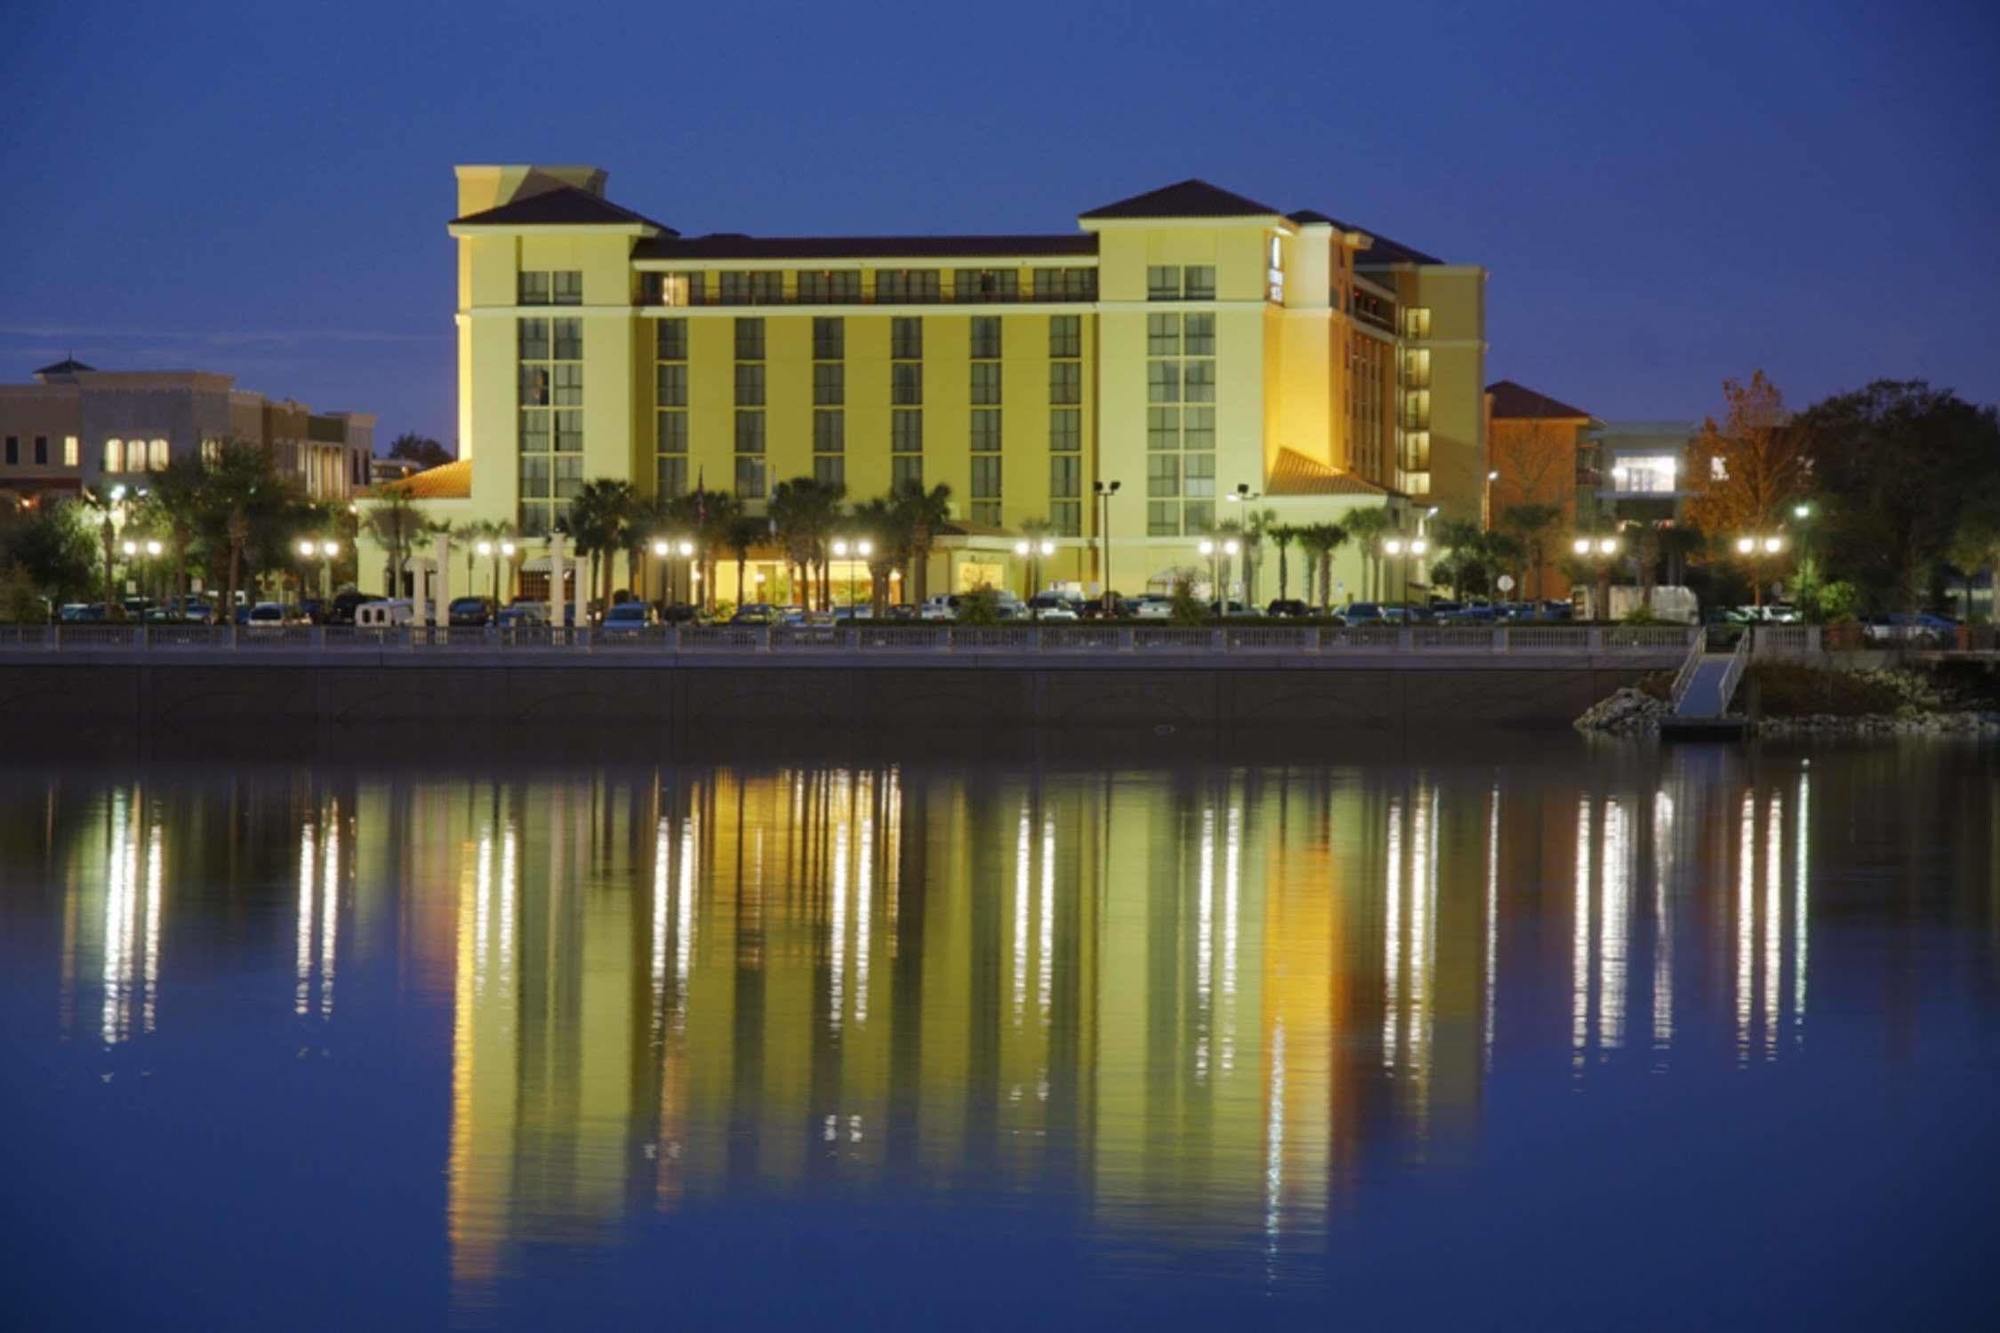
{"type": "Point", "coordinates": [1186, 609]}
{"type": "Point", "coordinates": [981, 606]}
{"type": "Point", "coordinates": [1787, 690]}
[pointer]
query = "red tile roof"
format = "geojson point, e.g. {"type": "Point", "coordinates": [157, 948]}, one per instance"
{"type": "Point", "coordinates": [1295, 474]}
{"type": "Point", "coordinates": [1517, 402]}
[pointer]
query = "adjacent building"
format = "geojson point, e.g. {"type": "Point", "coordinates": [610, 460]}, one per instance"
{"type": "Point", "coordinates": [76, 426]}
{"type": "Point", "coordinates": [1598, 474]}
{"type": "Point", "coordinates": [1179, 350]}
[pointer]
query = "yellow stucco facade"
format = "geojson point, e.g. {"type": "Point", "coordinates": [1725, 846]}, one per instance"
{"type": "Point", "coordinates": [1188, 344]}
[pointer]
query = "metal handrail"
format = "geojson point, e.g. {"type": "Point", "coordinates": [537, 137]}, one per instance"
{"type": "Point", "coordinates": [864, 638]}
{"type": "Point", "coordinates": [1689, 665]}
{"type": "Point", "coordinates": [1738, 661]}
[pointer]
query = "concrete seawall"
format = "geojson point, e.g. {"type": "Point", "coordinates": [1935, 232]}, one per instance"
{"type": "Point", "coordinates": [100, 694]}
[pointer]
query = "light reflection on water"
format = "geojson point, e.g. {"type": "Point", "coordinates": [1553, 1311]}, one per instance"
{"type": "Point", "coordinates": [1193, 1012]}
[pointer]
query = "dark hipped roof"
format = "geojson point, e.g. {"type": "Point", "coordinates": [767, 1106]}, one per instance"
{"type": "Point", "coordinates": [564, 206]}
{"type": "Point", "coordinates": [1190, 198]}
{"type": "Point", "coordinates": [69, 365]}
{"type": "Point", "coordinates": [727, 246]}
{"type": "Point", "coordinates": [1381, 254]}
{"type": "Point", "coordinates": [1517, 402]}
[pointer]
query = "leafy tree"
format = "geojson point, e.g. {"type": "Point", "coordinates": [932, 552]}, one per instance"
{"type": "Point", "coordinates": [105, 509]}
{"type": "Point", "coordinates": [20, 602]}
{"type": "Point", "coordinates": [1464, 554]}
{"type": "Point", "coordinates": [420, 449]}
{"type": "Point", "coordinates": [1185, 608]}
{"type": "Point", "coordinates": [1899, 467]}
{"type": "Point", "coordinates": [175, 506]}
{"type": "Point", "coordinates": [55, 546]}
{"type": "Point", "coordinates": [1744, 473]}
{"type": "Point", "coordinates": [596, 522]}
{"type": "Point", "coordinates": [1530, 525]}
{"type": "Point", "coordinates": [887, 526]}
{"type": "Point", "coordinates": [979, 606]}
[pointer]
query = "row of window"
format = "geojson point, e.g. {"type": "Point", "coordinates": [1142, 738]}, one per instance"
{"type": "Point", "coordinates": [1175, 282]}
{"type": "Point", "coordinates": [135, 455]}
{"type": "Point", "coordinates": [1180, 424]}
{"type": "Point", "coordinates": [829, 338]}
{"type": "Point", "coordinates": [551, 407]}
{"type": "Point", "coordinates": [551, 287]}
{"type": "Point", "coordinates": [888, 286]}
{"type": "Point", "coordinates": [39, 451]}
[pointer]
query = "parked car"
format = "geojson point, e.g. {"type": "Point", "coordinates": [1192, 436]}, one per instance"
{"type": "Point", "coordinates": [470, 611]}
{"type": "Point", "coordinates": [903, 611]}
{"type": "Point", "coordinates": [1364, 614]}
{"type": "Point", "coordinates": [1291, 607]}
{"type": "Point", "coordinates": [1051, 606]}
{"type": "Point", "coordinates": [272, 615]}
{"type": "Point", "coordinates": [1902, 629]}
{"type": "Point", "coordinates": [81, 613]}
{"type": "Point", "coordinates": [627, 618]}
{"type": "Point", "coordinates": [384, 613]}
{"type": "Point", "coordinates": [679, 613]}
{"type": "Point", "coordinates": [1152, 607]}
{"type": "Point", "coordinates": [755, 613]}
{"type": "Point", "coordinates": [846, 614]}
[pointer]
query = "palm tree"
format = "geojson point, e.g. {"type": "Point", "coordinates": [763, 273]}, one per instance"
{"type": "Point", "coordinates": [745, 531]}
{"type": "Point", "coordinates": [1531, 523]}
{"type": "Point", "coordinates": [1463, 540]}
{"type": "Point", "coordinates": [1310, 538]}
{"type": "Point", "coordinates": [1256, 524]}
{"type": "Point", "coordinates": [173, 505]}
{"type": "Point", "coordinates": [803, 512]}
{"type": "Point", "coordinates": [1326, 538]}
{"type": "Point", "coordinates": [889, 534]}
{"type": "Point", "coordinates": [395, 522]}
{"type": "Point", "coordinates": [711, 516]}
{"type": "Point", "coordinates": [926, 512]}
{"type": "Point", "coordinates": [1367, 528]}
{"type": "Point", "coordinates": [1282, 536]}
{"type": "Point", "coordinates": [596, 523]}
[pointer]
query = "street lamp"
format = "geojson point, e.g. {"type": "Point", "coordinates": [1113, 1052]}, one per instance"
{"type": "Point", "coordinates": [1034, 552]}
{"type": "Point", "coordinates": [1600, 552]}
{"type": "Point", "coordinates": [1104, 491]}
{"type": "Point", "coordinates": [1756, 549]}
{"type": "Point", "coordinates": [1219, 554]}
{"type": "Point", "coordinates": [1486, 502]}
{"type": "Point", "coordinates": [1415, 548]}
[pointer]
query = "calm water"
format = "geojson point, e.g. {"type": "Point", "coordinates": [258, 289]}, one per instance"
{"type": "Point", "coordinates": [1593, 1037]}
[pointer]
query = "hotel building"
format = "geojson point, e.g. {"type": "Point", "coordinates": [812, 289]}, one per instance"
{"type": "Point", "coordinates": [76, 426]}
{"type": "Point", "coordinates": [1189, 344]}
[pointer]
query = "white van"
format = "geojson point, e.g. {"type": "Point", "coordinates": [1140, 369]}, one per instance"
{"type": "Point", "coordinates": [392, 614]}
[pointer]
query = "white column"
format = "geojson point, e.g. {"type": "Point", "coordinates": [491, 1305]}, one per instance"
{"type": "Point", "coordinates": [555, 579]}
{"type": "Point", "coordinates": [441, 607]}
{"type": "Point", "coordinates": [583, 592]}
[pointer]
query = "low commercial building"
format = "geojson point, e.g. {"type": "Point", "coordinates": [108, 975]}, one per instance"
{"type": "Point", "coordinates": [1599, 474]}
{"type": "Point", "coordinates": [1123, 383]}
{"type": "Point", "coordinates": [76, 426]}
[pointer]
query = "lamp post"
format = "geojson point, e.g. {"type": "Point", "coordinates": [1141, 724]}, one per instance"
{"type": "Point", "coordinates": [1034, 552]}
{"type": "Point", "coordinates": [1758, 549]}
{"type": "Point", "coordinates": [1486, 502]}
{"type": "Point", "coordinates": [1808, 576]}
{"type": "Point", "coordinates": [1398, 547]}
{"type": "Point", "coordinates": [1219, 554]}
{"type": "Point", "coordinates": [851, 552]}
{"type": "Point", "coordinates": [662, 548]}
{"type": "Point", "coordinates": [1599, 551]}
{"type": "Point", "coordinates": [1104, 490]}
{"type": "Point", "coordinates": [323, 551]}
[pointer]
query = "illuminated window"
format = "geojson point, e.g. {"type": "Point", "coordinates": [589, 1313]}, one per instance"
{"type": "Point", "coordinates": [72, 456]}
{"type": "Point", "coordinates": [1717, 469]}
{"type": "Point", "coordinates": [1646, 474]}
{"type": "Point", "coordinates": [1417, 322]}
{"type": "Point", "coordinates": [677, 289]}
{"type": "Point", "coordinates": [114, 455]}
{"type": "Point", "coordinates": [211, 453]}
{"type": "Point", "coordinates": [156, 456]}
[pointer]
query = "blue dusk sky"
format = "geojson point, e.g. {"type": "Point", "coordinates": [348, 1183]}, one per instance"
{"type": "Point", "coordinates": [1664, 195]}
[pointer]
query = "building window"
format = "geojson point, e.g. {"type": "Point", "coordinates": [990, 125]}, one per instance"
{"type": "Point", "coordinates": [1180, 424]}
{"type": "Point", "coordinates": [749, 476]}
{"type": "Point", "coordinates": [830, 470]}
{"type": "Point", "coordinates": [909, 285]}
{"type": "Point", "coordinates": [906, 382]}
{"type": "Point", "coordinates": [1065, 284]}
{"type": "Point", "coordinates": [1417, 368]}
{"type": "Point", "coordinates": [1170, 282]}
{"type": "Point", "coordinates": [749, 432]}
{"type": "Point", "coordinates": [829, 338]}
{"type": "Point", "coordinates": [1065, 430]}
{"type": "Point", "coordinates": [672, 383]}
{"type": "Point", "coordinates": [985, 284]}
{"type": "Point", "coordinates": [986, 383]}
{"type": "Point", "coordinates": [114, 455]}
{"type": "Point", "coordinates": [986, 336]}
{"type": "Point", "coordinates": [1065, 336]}
{"type": "Point", "coordinates": [534, 288]}
{"type": "Point", "coordinates": [986, 489]}
{"type": "Point", "coordinates": [1065, 494]}
{"type": "Point", "coordinates": [986, 430]}
{"type": "Point", "coordinates": [551, 420]}
{"type": "Point", "coordinates": [673, 433]}
{"type": "Point", "coordinates": [674, 289]}
{"type": "Point", "coordinates": [1417, 410]}
{"type": "Point", "coordinates": [906, 338]}
{"type": "Point", "coordinates": [670, 477]}
{"type": "Point", "coordinates": [906, 432]}
{"type": "Point", "coordinates": [830, 287]}
{"type": "Point", "coordinates": [750, 384]}
{"type": "Point", "coordinates": [558, 287]}
{"type": "Point", "coordinates": [749, 340]}
{"type": "Point", "coordinates": [671, 443]}
{"type": "Point", "coordinates": [72, 452]}
{"type": "Point", "coordinates": [829, 383]}
{"type": "Point", "coordinates": [567, 287]}
{"type": "Point", "coordinates": [13, 450]}
{"type": "Point", "coordinates": [829, 432]}
{"type": "Point", "coordinates": [906, 471]}
{"type": "Point", "coordinates": [41, 449]}
{"type": "Point", "coordinates": [156, 456]}
{"type": "Point", "coordinates": [756, 287]}
{"type": "Point", "coordinates": [1417, 322]}
{"type": "Point", "coordinates": [670, 340]}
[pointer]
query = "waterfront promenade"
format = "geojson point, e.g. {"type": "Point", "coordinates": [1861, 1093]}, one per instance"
{"type": "Point", "coordinates": [682, 682]}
